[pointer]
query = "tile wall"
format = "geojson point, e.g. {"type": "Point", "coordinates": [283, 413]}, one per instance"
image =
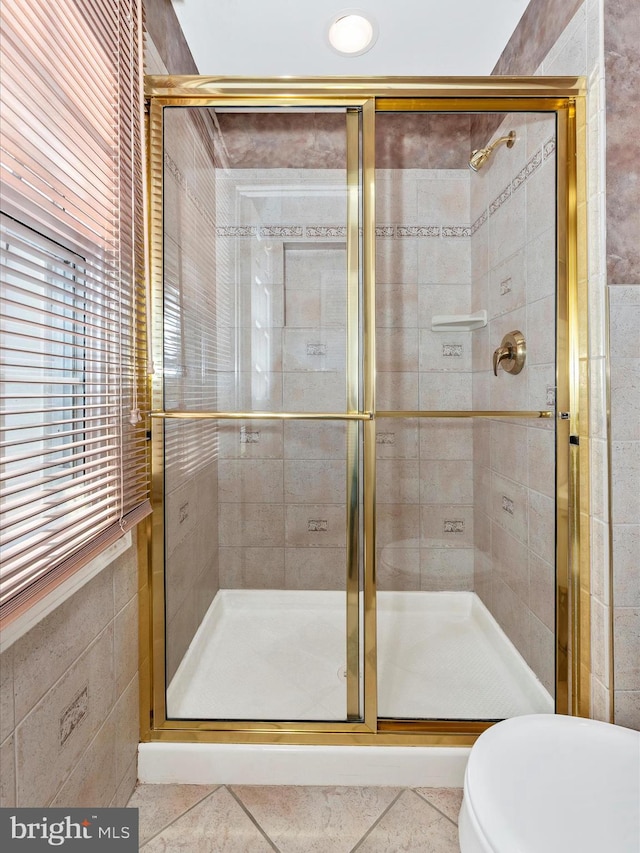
{"type": "Point", "coordinates": [281, 347]}
{"type": "Point", "coordinates": [624, 324]}
{"type": "Point", "coordinates": [70, 702]}
{"type": "Point", "coordinates": [424, 488]}
{"type": "Point", "coordinates": [513, 278]}
{"type": "Point", "coordinates": [190, 349]}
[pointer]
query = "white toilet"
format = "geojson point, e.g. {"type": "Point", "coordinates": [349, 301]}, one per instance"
{"type": "Point", "coordinates": [548, 783]}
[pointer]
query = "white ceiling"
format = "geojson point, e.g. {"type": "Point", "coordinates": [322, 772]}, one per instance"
{"type": "Point", "coordinates": [268, 38]}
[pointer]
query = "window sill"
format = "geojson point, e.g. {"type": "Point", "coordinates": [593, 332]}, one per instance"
{"type": "Point", "coordinates": [23, 623]}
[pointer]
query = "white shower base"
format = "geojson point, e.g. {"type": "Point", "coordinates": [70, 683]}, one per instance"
{"type": "Point", "coordinates": [280, 655]}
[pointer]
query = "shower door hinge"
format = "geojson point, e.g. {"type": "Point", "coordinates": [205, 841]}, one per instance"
{"type": "Point", "coordinates": [564, 416]}
{"type": "Point", "coordinates": [574, 439]}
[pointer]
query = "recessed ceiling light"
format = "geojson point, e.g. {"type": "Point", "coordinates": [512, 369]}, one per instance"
{"type": "Point", "coordinates": [352, 32]}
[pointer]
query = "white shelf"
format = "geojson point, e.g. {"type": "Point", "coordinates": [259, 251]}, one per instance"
{"type": "Point", "coordinates": [458, 322]}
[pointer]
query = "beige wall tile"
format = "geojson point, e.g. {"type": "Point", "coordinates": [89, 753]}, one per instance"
{"type": "Point", "coordinates": [446, 439]}
{"type": "Point", "coordinates": [397, 439]}
{"type": "Point", "coordinates": [315, 481]}
{"type": "Point", "coordinates": [44, 654]}
{"type": "Point", "coordinates": [84, 786]}
{"type": "Point", "coordinates": [508, 450]}
{"type": "Point", "coordinates": [626, 551]}
{"type": "Point", "coordinates": [397, 391]}
{"type": "Point", "coordinates": [398, 568]}
{"type": "Point", "coordinates": [450, 390]}
{"type": "Point", "coordinates": [542, 653]}
{"type": "Point", "coordinates": [626, 647]}
{"type": "Point", "coordinates": [600, 701]}
{"type": "Point", "coordinates": [251, 440]}
{"type": "Point", "coordinates": [396, 349]}
{"type": "Point", "coordinates": [315, 526]}
{"type": "Point", "coordinates": [445, 351]}
{"type": "Point", "coordinates": [7, 773]}
{"type": "Point", "coordinates": [542, 522]}
{"type": "Point", "coordinates": [510, 562]}
{"type": "Point", "coordinates": [397, 524]}
{"type": "Point", "coordinates": [315, 440]}
{"type": "Point", "coordinates": [126, 786]}
{"type": "Point", "coordinates": [449, 482]}
{"type": "Point", "coordinates": [542, 590]}
{"type": "Point", "coordinates": [627, 708]}
{"type": "Point", "coordinates": [313, 392]}
{"type": "Point", "coordinates": [446, 569]}
{"type": "Point", "coordinates": [125, 645]}
{"type": "Point", "coordinates": [508, 287]}
{"type": "Point", "coordinates": [444, 260]}
{"type": "Point", "coordinates": [315, 568]}
{"type": "Point", "coordinates": [509, 506]}
{"type": "Point", "coordinates": [445, 526]}
{"type": "Point", "coordinates": [251, 525]}
{"type": "Point", "coordinates": [397, 481]}
{"type": "Point", "coordinates": [250, 480]}
{"type": "Point", "coordinates": [126, 714]}
{"type": "Point", "coordinates": [512, 615]}
{"type": "Point", "coordinates": [7, 713]}
{"type": "Point", "coordinates": [252, 568]}
{"type": "Point", "coordinates": [53, 736]}
{"type": "Point", "coordinates": [625, 466]}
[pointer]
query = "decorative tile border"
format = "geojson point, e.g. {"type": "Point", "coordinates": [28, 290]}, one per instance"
{"type": "Point", "coordinates": [479, 221]}
{"type": "Point", "coordinates": [497, 203]}
{"type": "Point", "coordinates": [236, 231]}
{"type": "Point", "coordinates": [532, 165]}
{"type": "Point", "coordinates": [326, 231]}
{"type": "Point", "coordinates": [417, 231]}
{"type": "Point", "coordinates": [456, 231]}
{"type": "Point", "coordinates": [281, 231]}
{"type": "Point", "coordinates": [446, 232]}
{"type": "Point", "coordinates": [549, 148]}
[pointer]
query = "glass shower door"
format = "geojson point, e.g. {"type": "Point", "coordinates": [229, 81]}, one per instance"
{"type": "Point", "coordinates": [261, 404]}
{"type": "Point", "coordinates": [466, 459]}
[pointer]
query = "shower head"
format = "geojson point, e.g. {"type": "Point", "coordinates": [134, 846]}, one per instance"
{"type": "Point", "coordinates": [480, 156]}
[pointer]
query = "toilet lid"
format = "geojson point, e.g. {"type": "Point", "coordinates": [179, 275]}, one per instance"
{"type": "Point", "coordinates": [547, 783]}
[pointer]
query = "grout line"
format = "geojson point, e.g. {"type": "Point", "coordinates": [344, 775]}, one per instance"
{"type": "Point", "coordinates": [182, 814]}
{"type": "Point", "coordinates": [433, 805]}
{"type": "Point", "coordinates": [377, 821]}
{"type": "Point", "coordinates": [251, 817]}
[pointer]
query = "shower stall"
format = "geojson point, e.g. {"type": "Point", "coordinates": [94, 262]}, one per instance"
{"type": "Point", "coordinates": [367, 417]}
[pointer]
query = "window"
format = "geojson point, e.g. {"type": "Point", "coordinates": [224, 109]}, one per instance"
{"type": "Point", "coordinates": [73, 457]}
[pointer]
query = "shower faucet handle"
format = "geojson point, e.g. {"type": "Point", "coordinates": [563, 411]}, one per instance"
{"type": "Point", "coordinates": [511, 353]}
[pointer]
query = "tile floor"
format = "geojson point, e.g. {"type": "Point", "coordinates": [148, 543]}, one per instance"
{"type": "Point", "coordinates": [252, 819]}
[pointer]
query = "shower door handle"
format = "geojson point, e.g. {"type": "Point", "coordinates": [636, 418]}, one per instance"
{"type": "Point", "coordinates": [511, 353]}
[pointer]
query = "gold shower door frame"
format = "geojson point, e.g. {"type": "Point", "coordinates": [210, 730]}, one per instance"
{"type": "Point", "coordinates": [362, 98]}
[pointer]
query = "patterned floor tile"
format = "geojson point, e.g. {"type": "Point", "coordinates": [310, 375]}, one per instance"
{"type": "Point", "coordinates": [218, 824]}
{"type": "Point", "coordinates": [160, 805]}
{"type": "Point", "coordinates": [446, 800]}
{"type": "Point", "coordinates": [315, 819]}
{"type": "Point", "coordinates": [411, 825]}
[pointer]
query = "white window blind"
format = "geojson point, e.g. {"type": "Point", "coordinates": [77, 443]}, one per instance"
{"type": "Point", "coordinates": [73, 454]}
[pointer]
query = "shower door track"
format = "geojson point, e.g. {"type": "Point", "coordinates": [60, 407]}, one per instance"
{"type": "Point", "coordinates": [565, 97]}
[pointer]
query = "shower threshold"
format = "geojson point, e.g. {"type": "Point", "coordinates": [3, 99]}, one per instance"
{"type": "Point", "coordinates": [280, 655]}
